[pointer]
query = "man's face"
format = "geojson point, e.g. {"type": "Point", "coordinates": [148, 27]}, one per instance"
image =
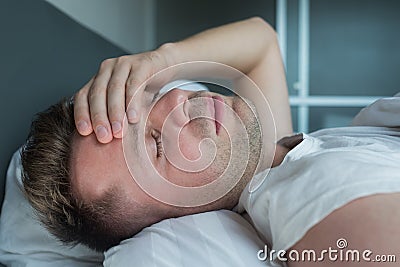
{"type": "Point", "coordinates": [188, 139]}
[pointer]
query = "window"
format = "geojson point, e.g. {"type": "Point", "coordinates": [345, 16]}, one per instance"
{"type": "Point", "coordinates": [340, 56]}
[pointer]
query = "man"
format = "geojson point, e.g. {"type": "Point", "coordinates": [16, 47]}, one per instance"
{"type": "Point", "coordinates": [102, 185]}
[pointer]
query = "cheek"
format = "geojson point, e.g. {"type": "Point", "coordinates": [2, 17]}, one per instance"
{"type": "Point", "coordinates": [189, 149]}
{"type": "Point", "coordinates": [189, 144]}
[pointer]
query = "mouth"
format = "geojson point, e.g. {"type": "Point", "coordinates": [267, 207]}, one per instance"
{"type": "Point", "coordinates": [219, 112]}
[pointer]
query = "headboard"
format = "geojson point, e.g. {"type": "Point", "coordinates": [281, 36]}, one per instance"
{"type": "Point", "coordinates": [45, 55]}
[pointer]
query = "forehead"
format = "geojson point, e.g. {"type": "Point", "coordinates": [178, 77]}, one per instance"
{"type": "Point", "coordinates": [96, 167]}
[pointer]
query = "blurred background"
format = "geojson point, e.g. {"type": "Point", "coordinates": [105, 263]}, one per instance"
{"type": "Point", "coordinates": [339, 55]}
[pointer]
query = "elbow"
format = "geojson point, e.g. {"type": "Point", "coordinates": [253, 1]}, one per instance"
{"type": "Point", "coordinates": [262, 23]}
{"type": "Point", "coordinates": [267, 32]}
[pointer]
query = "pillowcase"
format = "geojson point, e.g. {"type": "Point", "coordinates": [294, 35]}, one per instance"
{"type": "Point", "coordinates": [212, 239]}
{"type": "Point", "coordinates": [187, 85]}
{"type": "Point", "coordinates": [24, 242]}
{"type": "Point", "coordinates": [384, 112]}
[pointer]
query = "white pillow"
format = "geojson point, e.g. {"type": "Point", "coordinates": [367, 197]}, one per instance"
{"type": "Point", "coordinates": [211, 239]}
{"type": "Point", "coordinates": [24, 242]}
{"type": "Point", "coordinates": [187, 85]}
{"type": "Point", "coordinates": [384, 112]}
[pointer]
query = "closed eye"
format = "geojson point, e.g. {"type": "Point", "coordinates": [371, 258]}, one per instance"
{"type": "Point", "coordinates": [157, 139]}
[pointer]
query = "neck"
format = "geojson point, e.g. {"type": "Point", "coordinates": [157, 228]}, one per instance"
{"type": "Point", "coordinates": [267, 156]}
{"type": "Point", "coordinates": [281, 148]}
{"type": "Point", "coordinates": [280, 153]}
{"type": "Point", "coordinates": [272, 156]}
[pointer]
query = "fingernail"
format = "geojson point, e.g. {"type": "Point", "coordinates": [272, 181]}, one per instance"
{"type": "Point", "coordinates": [101, 131]}
{"type": "Point", "coordinates": [131, 115]}
{"type": "Point", "coordinates": [82, 126]}
{"type": "Point", "coordinates": [116, 126]}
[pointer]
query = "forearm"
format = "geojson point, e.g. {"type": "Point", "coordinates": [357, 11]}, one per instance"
{"type": "Point", "coordinates": [250, 46]}
{"type": "Point", "coordinates": [238, 45]}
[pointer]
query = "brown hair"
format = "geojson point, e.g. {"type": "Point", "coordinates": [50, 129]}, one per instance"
{"type": "Point", "coordinates": [46, 179]}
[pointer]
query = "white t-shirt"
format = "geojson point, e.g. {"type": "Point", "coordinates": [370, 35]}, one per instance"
{"type": "Point", "coordinates": [327, 170]}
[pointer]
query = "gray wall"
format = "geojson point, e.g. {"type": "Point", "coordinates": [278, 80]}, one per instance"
{"type": "Point", "coordinates": [126, 23]}
{"type": "Point", "coordinates": [355, 47]}
{"type": "Point", "coordinates": [177, 19]}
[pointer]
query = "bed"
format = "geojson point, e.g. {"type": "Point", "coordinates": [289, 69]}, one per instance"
{"type": "Point", "coordinates": [47, 56]}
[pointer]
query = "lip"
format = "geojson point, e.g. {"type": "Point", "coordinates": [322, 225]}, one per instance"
{"type": "Point", "coordinates": [218, 112]}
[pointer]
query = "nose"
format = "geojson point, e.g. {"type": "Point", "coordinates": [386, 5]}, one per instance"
{"type": "Point", "coordinates": [171, 109]}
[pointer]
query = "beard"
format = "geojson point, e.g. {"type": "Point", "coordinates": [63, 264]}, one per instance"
{"type": "Point", "coordinates": [236, 158]}
{"type": "Point", "coordinates": [247, 112]}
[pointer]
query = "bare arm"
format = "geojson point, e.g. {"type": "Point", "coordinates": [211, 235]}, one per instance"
{"type": "Point", "coordinates": [250, 46]}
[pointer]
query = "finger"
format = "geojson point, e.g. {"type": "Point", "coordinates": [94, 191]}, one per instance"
{"type": "Point", "coordinates": [81, 110]}
{"type": "Point", "coordinates": [116, 97]}
{"type": "Point", "coordinates": [98, 102]}
{"type": "Point", "coordinates": [135, 86]}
